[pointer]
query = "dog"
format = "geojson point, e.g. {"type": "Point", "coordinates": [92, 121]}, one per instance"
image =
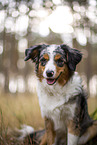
{"type": "Point", "coordinates": [62, 99]}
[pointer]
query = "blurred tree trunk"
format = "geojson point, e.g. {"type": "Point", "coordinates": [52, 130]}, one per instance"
{"type": "Point", "coordinates": [5, 64]}
{"type": "Point", "coordinates": [13, 54]}
{"type": "Point", "coordinates": [88, 65]}
{"type": "Point", "coordinates": [10, 58]}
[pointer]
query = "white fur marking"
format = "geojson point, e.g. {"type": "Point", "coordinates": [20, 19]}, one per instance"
{"type": "Point", "coordinates": [52, 100]}
{"type": "Point", "coordinates": [50, 65]}
{"type": "Point", "coordinates": [26, 130]}
{"type": "Point", "coordinates": [72, 139]}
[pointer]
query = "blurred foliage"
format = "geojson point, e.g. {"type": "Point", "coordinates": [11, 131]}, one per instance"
{"type": "Point", "coordinates": [94, 115]}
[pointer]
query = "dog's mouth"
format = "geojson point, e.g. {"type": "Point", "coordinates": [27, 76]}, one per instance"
{"type": "Point", "coordinates": [51, 81]}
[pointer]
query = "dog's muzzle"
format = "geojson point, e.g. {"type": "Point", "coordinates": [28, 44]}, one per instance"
{"type": "Point", "coordinates": [49, 73]}
{"type": "Point", "coordinates": [50, 79]}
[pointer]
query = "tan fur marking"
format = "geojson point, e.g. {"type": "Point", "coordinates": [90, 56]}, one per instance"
{"type": "Point", "coordinates": [49, 136]}
{"type": "Point", "coordinates": [41, 68]}
{"type": "Point", "coordinates": [57, 57]}
{"type": "Point", "coordinates": [64, 77]}
{"type": "Point", "coordinates": [34, 54]}
{"type": "Point", "coordinates": [44, 139]}
{"type": "Point", "coordinates": [89, 134]}
{"type": "Point", "coordinates": [46, 56]}
{"type": "Point", "coordinates": [92, 130]}
{"type": "Point", "coordinates": [40, 72]}
{"type": "Point", "coordinates": [72, 129]}
{"type": "Point", "coordinates": [49, 125]}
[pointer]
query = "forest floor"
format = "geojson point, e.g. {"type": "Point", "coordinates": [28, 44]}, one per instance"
{"type": "Point", "coordinates": [16, 110]}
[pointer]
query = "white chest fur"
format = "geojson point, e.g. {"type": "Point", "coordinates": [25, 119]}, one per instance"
{"type": "Point", "coordinates": [53, 100]}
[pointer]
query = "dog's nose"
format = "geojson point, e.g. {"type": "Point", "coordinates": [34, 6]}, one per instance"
{"type": "Point", "coordinates": [49, 73]}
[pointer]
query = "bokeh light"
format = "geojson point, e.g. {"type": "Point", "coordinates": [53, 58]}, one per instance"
{"type": "Point", "coordinates": [23, 24]}
{"type": "Point", "coordinates": [22, 44]}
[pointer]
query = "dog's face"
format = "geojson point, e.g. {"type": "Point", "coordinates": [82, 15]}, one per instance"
{"type": "Point", "coordinates": [54, 63]}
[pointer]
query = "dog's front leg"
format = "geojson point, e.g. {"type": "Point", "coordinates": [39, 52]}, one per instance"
{"type": "Point", "coordinates": [49, 126]}
{"type": "Point", "coordinates": [44, 139]}
{"type": "Point", "coordinates": [73, 134]}
{"type": "Point", "coordinates": [72, 139]}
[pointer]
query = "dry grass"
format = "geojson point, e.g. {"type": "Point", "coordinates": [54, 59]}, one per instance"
{"type": "Point", "coordinates": [22, 109]}
{"type": "Point", "coordinates": [17, 110]}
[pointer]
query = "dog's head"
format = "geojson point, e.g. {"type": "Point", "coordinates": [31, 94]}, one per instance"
{"type": "Point", "coordinates": [54, 63]}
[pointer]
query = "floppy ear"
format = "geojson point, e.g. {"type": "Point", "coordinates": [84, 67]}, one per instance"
{"type": "Point", "coordinates": [74, 56]}
{"type": "Point", "coordinates": [33, 53]}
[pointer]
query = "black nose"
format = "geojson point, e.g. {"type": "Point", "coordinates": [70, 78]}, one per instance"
{"type": "Point", "coordinates": [49, 73]}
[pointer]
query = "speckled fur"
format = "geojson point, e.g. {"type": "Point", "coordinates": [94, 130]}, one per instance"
{"type": "Point", "coordinates": [63, 105]}
{"type": "Point", "coordinates": [52, 99]}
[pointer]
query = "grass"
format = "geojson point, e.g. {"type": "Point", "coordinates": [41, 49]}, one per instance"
{"type": "Point", "coordinates": [16, 110]}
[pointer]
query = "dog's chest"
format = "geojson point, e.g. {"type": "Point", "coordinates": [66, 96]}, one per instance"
{"type": "Point", "coordinates": [54, 100]}
{"type": "Point", "coordinates": [53, 105]}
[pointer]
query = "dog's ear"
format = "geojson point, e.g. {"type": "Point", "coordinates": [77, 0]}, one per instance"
{"type": "Point", "coordinates": [74, 56]}
{"type": "Point", "coordinates": [33, 52]}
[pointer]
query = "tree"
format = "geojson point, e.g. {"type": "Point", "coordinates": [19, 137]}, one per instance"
{"type": "Point", "coordinates": [45, 21]}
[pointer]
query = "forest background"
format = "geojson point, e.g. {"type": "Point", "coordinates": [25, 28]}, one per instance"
{"type": "Point", "coordinates": [28, 22]}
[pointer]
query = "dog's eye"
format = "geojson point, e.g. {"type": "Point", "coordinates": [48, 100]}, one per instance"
{"type": "Point", "coordinates": [43, 61]}
{"type": "Point", "coordinates": [60, 62]}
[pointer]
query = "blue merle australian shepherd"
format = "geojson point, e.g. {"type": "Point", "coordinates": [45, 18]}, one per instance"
{"type": "Point", "coordinates": [62, 99]}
